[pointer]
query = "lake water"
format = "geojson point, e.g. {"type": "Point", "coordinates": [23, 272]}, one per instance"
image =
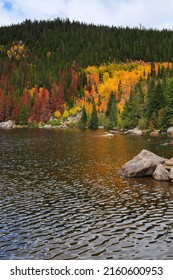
{"type": "Point", "coordinates": [61, 197]}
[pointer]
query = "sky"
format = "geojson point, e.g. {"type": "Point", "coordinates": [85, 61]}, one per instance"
{"type": "Point", "coordinates": [157, 14]}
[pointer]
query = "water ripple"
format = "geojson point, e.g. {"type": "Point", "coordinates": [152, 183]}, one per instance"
{"type": "Point", "coordinates": [63, 199]}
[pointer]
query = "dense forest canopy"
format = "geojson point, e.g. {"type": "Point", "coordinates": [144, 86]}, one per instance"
{"type": "Point", "coordinates": [57, 68]}
{"type": "Point", "coordinates": [89, 44]}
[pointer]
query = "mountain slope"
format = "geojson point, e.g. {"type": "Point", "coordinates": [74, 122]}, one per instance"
{"type": "Point", "coordinates": [54, 68]}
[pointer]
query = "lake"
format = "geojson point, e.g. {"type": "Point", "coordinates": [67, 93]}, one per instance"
{"type": "Point", "coordinates": [61, 197]}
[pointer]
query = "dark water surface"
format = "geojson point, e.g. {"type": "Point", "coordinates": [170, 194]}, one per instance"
{"type": "Point", "coordinates": [61, 197]}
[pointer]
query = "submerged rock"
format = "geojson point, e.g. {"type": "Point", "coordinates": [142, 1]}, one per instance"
{"type": "Point", "coordinates": [170, 143]}
{"type": "Point", "coordinates": [108, 134]}
{"type": "Point", "coordinates": [155, 133]}
{"type": "Point", "coordinates": [141, 165]}
{"type": "Point", "coordinates": [135, 132]}
{"type": "Point", "coordinates": [161, 174]}
{"type": "Point", "coordinates": [114, 131]}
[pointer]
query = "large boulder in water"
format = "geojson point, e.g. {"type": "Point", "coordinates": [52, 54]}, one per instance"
{"type": "Point", "coordinates": [141, 165]}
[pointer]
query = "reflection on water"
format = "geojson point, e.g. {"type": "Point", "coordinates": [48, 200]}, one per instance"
{"type": "Point", "coordinates": [61, 198]}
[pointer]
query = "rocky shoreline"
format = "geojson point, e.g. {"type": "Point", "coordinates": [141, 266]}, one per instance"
{"type": "Point", "coordinates": [146, 164]}
{"type": "Point", "coordinates": [110, 133]}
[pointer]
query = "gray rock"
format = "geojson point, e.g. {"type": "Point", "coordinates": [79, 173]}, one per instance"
{"type": "Point", "coordinates": [107, 134]}
{"type": "Point", "coordinates": [47, 126]}
{"type": "Point", "coordinates": [136, 132]}
{"type": "Point", "coordinates": [170, 130]}
{"type": "Point", "coordinates": [170, 143]}
{"type": "Point", "coordinates": [7, 124]}
{"type": "Point", "coordinates": [155, 133]}
{"type": "Point", "coordinates": [161, 174]}
{"type": "Point", "coordinates": [169, 162]}
{"type": "Point", "coordinates": [141, 165]}
{"type": "Point", "coordinates": [114, 131]}
{"type": "Point", "coordinates": [171, 174]}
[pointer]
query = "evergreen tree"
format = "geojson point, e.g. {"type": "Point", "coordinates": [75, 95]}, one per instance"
{"type": "Point", "coordinates": [111, 112]}
{"type": "Point", "coordinates": [134, 107]}
{"type": "Point", "coordinates": [153, 122]}
{"type": "Point", "coordinates": [83, 120]}
{"type": "Point", "coordinates": [155, 98]}
{"type": "Point", "coordinates": [111, 100]}
{"type": "Point", "coordinates": [112, 119]}
{"type": "Point", "coordinates": [162, 121]}
{"type": "Point", "coordinates": [93, 123]}
{"type": "Point", "coordinates": [23, 116]}
{"type": "Point", "coordinates": [150, 106]}
{"type": "Point", "coordinates": [169, 105]}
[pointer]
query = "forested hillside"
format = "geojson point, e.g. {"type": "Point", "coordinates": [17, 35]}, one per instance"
{"type": "Point", "coordinates": [53, 69]}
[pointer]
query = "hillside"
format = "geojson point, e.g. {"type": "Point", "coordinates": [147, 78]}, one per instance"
{"type": "Point", "coordinates": [67, 42]}
{"type": "Point", "coordinates": [56, 68]}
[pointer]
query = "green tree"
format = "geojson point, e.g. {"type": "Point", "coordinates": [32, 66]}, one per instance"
{"type": "Point", "coordinates": [134, 108]}
{"type": "Point", "coordinates": [150, 105]}
{"type": "Point", "coordinates": [83, 120]}
{"type": "Point", "coordinates": [112, 119]}
{"type": "Point", "coordinates": [162, 121]}
{"type": "Point", "coordinates": [169, 105]}
{"type": "Point", "coordinates": [111, 112]}
{"type": "Point", "coordinates": [23, 116]}
{"type": "Point", "coordinates": [153, 123]}
{"type": "Point", "coordinates": [93, 123]}
{"type": "Point", "coordinates": [155, 98]}
{"type": "Point", "coordinates": [71, 102]}
{"type": "Point", "coordinates": [111, 100]}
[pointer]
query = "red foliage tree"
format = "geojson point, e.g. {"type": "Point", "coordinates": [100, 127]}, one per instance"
{"type": "Point", "coordinates": [40, 111]}
{"type": "Point", "coordinates": [26, 100]}
{"type": "Point", "coordinates": [2, 106]}
{"type": "Point", "coordinates": [57, 97]}
{"type": "Point", "coordinates": [8, 107]}
{"type": "Point", "coordinates": [45, 112]}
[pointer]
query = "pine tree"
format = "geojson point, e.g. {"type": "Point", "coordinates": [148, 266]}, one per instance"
{"type": "Point", "coordinates": [112, 119]}
{"type": "Point", "coordinates": [111, 100]}
{"type": "Point", "coordinates": [111, 112]}
{"type": "Point", "coordinates": [155, 98]}
{"type": "Point", "coordinates": [84, 115]}
{"type": "Point", "coordinates": [169, 105]}
{"type": "Point", "coordinates": [83, 120]}
{"type": "Point", "coordinates": [23, 116]}
{"type": "Point", "coordinates": [93, 124]}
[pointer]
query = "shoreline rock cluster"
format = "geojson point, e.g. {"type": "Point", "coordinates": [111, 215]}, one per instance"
{"type": "Point", "coordinates": [147, 163]}
{"type": "Point", "coordinates": [66, 124]}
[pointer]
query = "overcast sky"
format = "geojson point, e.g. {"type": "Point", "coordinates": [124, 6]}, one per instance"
{"type": "Point", "coordinates": [149, 13]}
